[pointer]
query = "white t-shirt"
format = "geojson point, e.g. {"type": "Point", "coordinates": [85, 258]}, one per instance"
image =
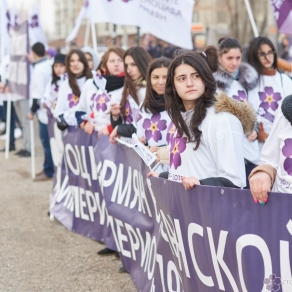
{"type": "Point", "coordinates": [40, 76]}
{"type": "Point", "coordinates": [277, 152]}
{"type": "Point", "coordinates": [251, 149]}
{"type": "Point", "coordinates": [220, 153]}
{"type": "Point", "coordinates": [97, 102]}
{"type": "Point", "coordinates": [153, 127]}
{"type": "Point", "coordinates": [67, 101]}
{"type": "Point", "coordinates": [267, 97]}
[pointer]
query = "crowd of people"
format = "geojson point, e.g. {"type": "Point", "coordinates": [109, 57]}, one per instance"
{"type": "Point", "coordinates": [210, 118]}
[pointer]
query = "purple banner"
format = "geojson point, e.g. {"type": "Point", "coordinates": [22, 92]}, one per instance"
{"type": "Point", "coordinates": [170, 239]}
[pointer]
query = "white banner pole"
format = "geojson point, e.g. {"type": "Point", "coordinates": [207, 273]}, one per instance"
{"type": "Point", "coordinates": [87, 31]}
{"type": "Point", "coordinates": [251, 19]}
{"type": "Point", "coordinates": [8, 128]}
{"type": "Point", "coordinates": [93, 35]}
{"type": "Point", "coordinates": [32, 150]}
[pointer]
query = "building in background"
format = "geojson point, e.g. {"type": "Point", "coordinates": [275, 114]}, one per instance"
{"type": "Point", "coordinates": [212, 19]}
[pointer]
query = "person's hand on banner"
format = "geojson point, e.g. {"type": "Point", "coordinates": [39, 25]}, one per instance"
{"type": "Point", "coordinates": [153, 173]}
{"type": "Point", "coordinates": [89, 128]}
{"type": "Point", "coordinates": [113, 135]}
{"type": "Point", "coordinates": [103, 131]}
{"type": "Point", "coordinates": [30, 116]}
{"type": "Point", "coordinates": [260, 184]}
{"type": "Point", "coordinates": [262, 134]}
{"type": "Point", "coordinates": [142, 140]}
{"type": "Point", "coordinates": [189, 182]}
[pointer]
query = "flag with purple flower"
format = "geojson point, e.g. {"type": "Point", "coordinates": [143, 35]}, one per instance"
{"type": "Point", "coordinates": [287, 152]}
{"type": "Point", "coordinates": [101, 101]}
{"type": "Point", "coordinates": [178, 146]}
{"type": "Point", "coordinates": [153, 127]}
{"type": "Point", "coordinates": [128, 113]}
{"type": "Point", "coordinates": [73, 100]}
{"type": "Point", "coordinates": [269, 98]}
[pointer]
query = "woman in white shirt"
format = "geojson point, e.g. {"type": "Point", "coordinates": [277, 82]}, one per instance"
{"type": "Point", "coordinates": [206, 146]}
{"type": "Point", "coordinates": [272, 86]}
{"type": "Point", "coordinates": [237, 79]}
{"type": "Point", "coordinates": [68, 96]}
{"type": "Point", "coordinates": [275, 171]}
{"type": "Point", "coordinates": [98, 93]}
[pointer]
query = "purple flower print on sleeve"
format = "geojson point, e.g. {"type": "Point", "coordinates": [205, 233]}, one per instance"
{"type": "Point", "coordinates": [101, 101]}
{"type": "Point", "coordinates": [178, 146]}
{"type": "Point", "coordinates": [153, 127]}
{"type": "Point", "coordinates": [170, 132]}
{"type": "Point", "coordinates": [73, 100]}
{"type": "Point", "coordinates": [287, 152]}
{"type": "Point", "coordinates": [128, 113]}
{"type": "Point", "coordinates": [34, 21]}
{"type": "Point", "coordinates": [269, 98]}
{"type": "Point", "coordinates": [241, 96]}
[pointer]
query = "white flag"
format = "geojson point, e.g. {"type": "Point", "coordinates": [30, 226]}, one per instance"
{"type": "Point", "coordinates": [168, 20]}
{"type": "Point", "coordinates": [4, 40]}
{"type": "Point", "coordinates": [36, 33]}
{"type": "Point", "coordinates": [83, 14]}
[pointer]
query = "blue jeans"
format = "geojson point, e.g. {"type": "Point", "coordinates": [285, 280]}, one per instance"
{"type": "Point", "coordinates": [44, 136]}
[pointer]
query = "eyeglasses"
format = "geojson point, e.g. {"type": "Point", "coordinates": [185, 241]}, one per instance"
{"type": "Point", "coordinates": [268, 54]}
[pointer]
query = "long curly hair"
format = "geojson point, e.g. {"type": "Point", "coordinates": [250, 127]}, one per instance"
{"type": "Point", "coordinates": [71, 76]}
{"type": "Point", "coordinates": [205, 64]}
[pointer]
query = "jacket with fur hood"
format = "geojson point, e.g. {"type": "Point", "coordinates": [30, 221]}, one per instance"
{"type": "Point", "coordinates": [239, 90]}
{"type": "Point", "coordinates": [219, 160]}
{"type": "Point", "coordinates": [247, 80]}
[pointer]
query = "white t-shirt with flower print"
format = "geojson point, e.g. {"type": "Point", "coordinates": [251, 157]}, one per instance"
{"type": "Point", "coordinates": [153, 127]}
{"type": "Point", "coordinates": [96, 102]}
{"type": "Point", "coordinates": [220, 153]}
{"type": "Point", "coordinates": [267, 97]}
{"type": "Point", "coordinates": [67, 101]}
{"type": "Point", "coordinates": [277, 152]}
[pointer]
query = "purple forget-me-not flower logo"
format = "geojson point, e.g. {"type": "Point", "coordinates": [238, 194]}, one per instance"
{"type": "Point", "coordinates": [153, 127]}
{"type": "Point", "coordinates": [287, 152]}
{"type": "Point", "coordinates": [269, 98]}
{"type": "Point", "coordinates": [177, 147]}
{"type": "Point", "coordinates": [241, 96]}
{"type": "Point", "coordinates": [73, 99]}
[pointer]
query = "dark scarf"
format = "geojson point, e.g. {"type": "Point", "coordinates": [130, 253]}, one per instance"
{"type": "Point", "coordinates": [157, 105]}
{"type": "Point", "coordinates": [269, 72]}
{"type": "Point", "coordinates": [113, 82]}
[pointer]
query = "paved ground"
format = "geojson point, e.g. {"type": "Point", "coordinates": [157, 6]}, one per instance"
{"type": "Point", "coordinates": [39, 255]}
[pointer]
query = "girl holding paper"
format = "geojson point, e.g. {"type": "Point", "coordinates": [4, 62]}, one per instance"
{"type": "Point", "coordinates": [68, 96]}
{"type": "Point", "coordinates": [124, 117]}
{"type": "Point", "coordinates": [92, 112]}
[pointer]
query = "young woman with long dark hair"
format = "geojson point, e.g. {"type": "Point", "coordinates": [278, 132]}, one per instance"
{"type": "Point", "coordinates": [136, 61]}
{"type": "Point", "coordinates": [206, 145]}
{"type": "Point", "coordinates": [237, 79]}
{"type": "Point", "coordinates": [68, 97]}
{"type": "Point", "coordinates": [272, 86]}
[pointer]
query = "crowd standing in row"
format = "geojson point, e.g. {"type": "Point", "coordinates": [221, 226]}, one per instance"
{"type": "Point", "coordinates": [211, 118]}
